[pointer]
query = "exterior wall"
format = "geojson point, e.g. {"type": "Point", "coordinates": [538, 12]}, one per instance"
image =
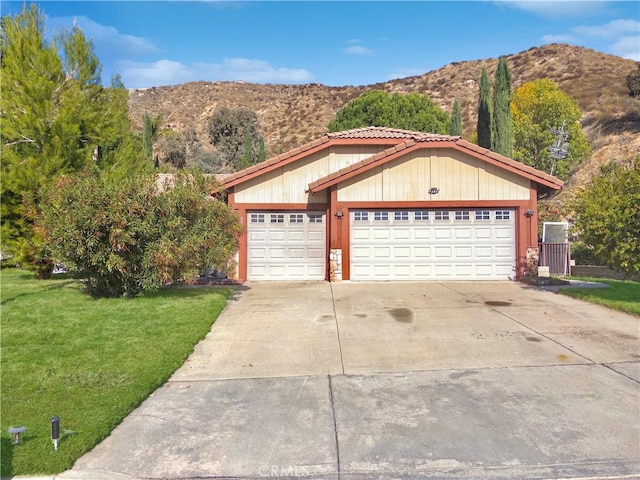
{"type": "Point", "coordinates": [456, 175]}
{"type": "Point", "coordinates": [289, 184]}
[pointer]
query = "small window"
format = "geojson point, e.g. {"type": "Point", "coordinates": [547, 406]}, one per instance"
{"type": "Point", "coordinates": [381, 216]}
{"type": "Point", "coordinates": [401, 216]}
{"type": "Point", "coordinates": [296, 218]}
{"type": "Point", "coordinates": [503, 214]}
{"type": "Point", "coordinates": [276, 218]}
{"type": "Point", "coordinates": [483, 215]}
{"type": "Point", "coordinates": [361, 216]}
{"type": "Point", "coordinates": [421, 215]}
{"type": "Point", "coordinates": [315, 218]}
{"type": "Point", "coordinates": [256, 218]}
{"type": "Point", "coordinates": [442, 215]}
{"type": "Point", "coordinates": [462, 215]}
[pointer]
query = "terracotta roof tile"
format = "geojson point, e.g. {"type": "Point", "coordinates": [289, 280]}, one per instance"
{"type": "Point", "coordinates": [385, 132]}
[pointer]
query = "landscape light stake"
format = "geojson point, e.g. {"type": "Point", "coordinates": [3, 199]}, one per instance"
{"type": "Point", "coordinates": [15, 433]}
{"type": "Point", "coordinates": [55, 431]}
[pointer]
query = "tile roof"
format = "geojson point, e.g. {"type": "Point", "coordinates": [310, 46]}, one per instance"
{"type": "Point", "coordinates": [385, 132]}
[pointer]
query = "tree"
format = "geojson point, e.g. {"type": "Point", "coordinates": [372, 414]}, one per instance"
{"type": "Point", "coordinates": [502, 128]}
{"type": "Point", "coordinates": [172, 149]}
{"type": "Point", "coordinates": [378, 108]}
{"type": "Point", "coordinates": [122, 238]}
{"type": "Point", "coordinates": [484, 111]}
{"type": "Point", "coordinates": [151, 131]}
{"type": "Point", "coordinates": [55, 118]}
{"type": "Point", "coordinates": [456, 120]}
{"type": "Point", "coordinates": [236, 135]}
{"type": "Point", "coordinates": [538, 108]}
{"type": "Point", "coordinates": [633, 82]}
{"type": "Point", "coordinates": [608, 219]}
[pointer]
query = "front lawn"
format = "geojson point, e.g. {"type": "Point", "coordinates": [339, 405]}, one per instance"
{"type": "Point", "coordinates": [89, 361]}
{"type": "Point", "coordinates": [620, 295]}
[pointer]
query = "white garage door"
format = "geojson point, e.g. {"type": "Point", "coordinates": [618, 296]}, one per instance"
{"type": "Point", "coordinates": [432, 244]}
{"type": "Point", "coordinates": [286, 246]}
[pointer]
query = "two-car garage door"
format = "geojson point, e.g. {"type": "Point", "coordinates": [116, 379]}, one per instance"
{"type": "Point", "coordinates": [432, 244]}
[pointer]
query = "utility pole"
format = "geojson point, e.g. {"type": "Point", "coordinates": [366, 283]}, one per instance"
{"type": "Point", "coordinates": [558, 151]}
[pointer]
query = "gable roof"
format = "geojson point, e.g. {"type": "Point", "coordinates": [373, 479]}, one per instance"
{"type": "Point", "coordinates": [402, 142]}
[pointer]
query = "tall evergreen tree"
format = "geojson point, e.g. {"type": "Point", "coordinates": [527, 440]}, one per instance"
{"type": "Point", "coordinates": [55, 118]}
{"type": "Point", "coordinates": [456, 120]}
{"type": "Point", "coordinates": [150, 133]}
{"type": "Point", "coordinates": [484, 111]}
{"type": "Point", "coordinates": [502, 127]}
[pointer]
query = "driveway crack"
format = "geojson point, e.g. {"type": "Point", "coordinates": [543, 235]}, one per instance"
{"type": "Point", "coordinates": [335, 424]}
{"type": "Point", "coordinates": [335, 315]}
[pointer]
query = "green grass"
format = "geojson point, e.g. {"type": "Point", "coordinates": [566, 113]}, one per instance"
{"type": "Point", "coordinates": [620, 295]}
{"type": "Point", "coordinates": [90, 361]}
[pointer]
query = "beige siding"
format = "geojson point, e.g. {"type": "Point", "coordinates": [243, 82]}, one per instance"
{"type": "Point", "coordinates": [458, 176]}
{"type": "Point", "coordinates": [288, 184]}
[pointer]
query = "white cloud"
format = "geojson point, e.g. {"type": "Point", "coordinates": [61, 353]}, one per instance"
{"type": "Point", "coordinates": [627, 47]}
{"type": "Point", "coordinates": [563, 38]}
{"type": "Point", "coordinates": [358, 50]}
{"type": "Point", "coordinates": [621, 37]}
{"type": "Point", "coordinates": [612, 29]}
{"type": "Point", "coordinates": [168, 72]}
{"type": "Point", "coordinates": [104, 37]}
{"type": "Point", "coordinates": [552, 8]}
{"type": "Point", "coordinates": [405, 72]}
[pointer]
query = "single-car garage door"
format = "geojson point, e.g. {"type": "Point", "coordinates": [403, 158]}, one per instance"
{"type": "Point", "coordinates": [286, 246]}
{"type": "Point", "coordinates": [432, 244]}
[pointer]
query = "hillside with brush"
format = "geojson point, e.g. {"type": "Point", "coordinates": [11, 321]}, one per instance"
{"type": "Point", "coordinates": [291, 115]}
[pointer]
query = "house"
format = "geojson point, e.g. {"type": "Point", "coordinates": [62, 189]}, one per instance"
{"type": "Point", "coordinates": [379, 203]}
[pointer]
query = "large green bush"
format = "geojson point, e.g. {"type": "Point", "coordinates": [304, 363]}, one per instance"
{"type": "Point", "coordinates": [124, 237]}
{"type": "Point", "coordinates": [378, 108]}
{"type": "Point", "coordinates": [608, 218]}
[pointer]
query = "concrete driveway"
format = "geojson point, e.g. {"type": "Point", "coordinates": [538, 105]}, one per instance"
{"type": "Point", "coordinates": [392, 380]}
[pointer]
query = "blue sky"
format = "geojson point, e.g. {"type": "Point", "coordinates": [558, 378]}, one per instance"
{"type": "Point", "coordinates": [153, 43]}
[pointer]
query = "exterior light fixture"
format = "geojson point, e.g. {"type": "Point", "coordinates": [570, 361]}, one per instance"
{"type": "Point", "coordinates": [15, 433]}
{"type": "Point", "coordinates": [55, 431]}
{"type": "Point", "coordinates": [434, 190]}
{"type": "Point", "coordinates": [529, 213]}
{"type": "Point", "coordinates": [339, 214]}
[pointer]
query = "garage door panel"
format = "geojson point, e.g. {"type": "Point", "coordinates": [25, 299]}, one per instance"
{"type": "Point", "coordinates": [277, 236]}
{"type": "Point", "coordinates": [463, 252]}
{"type": "Point", "coordinates": [422, 252]}
{"type": "Point", "coordinates": [422, 233]}
{"type": "Point", "coordinates": [457, 246]}
{"type": "Point", "coordinates": [287, 246]}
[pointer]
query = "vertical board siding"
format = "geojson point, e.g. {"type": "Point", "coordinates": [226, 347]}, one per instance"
{"type": "Point", "coordinates": [288, 184]}
{"type": "Point", "coordinates": [456, 175]}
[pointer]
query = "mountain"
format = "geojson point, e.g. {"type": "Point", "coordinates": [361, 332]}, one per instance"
{"type": "Point", "coordinates": [291, 115]}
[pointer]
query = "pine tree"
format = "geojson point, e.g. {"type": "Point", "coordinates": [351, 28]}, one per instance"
{"type": "Point", "coordinates": [502, 127]}
{"type": "Point", "coordinates": [456, 120]}
{"type": "Point", "coordinates": [55, 118]}
{"type": "Point", "coordinates": [484, 111]}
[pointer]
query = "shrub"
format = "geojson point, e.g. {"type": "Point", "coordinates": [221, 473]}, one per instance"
{"type": "Point", "coordinates": [633, 82]}
{"type": "Point", "coordinates": [121, 238]}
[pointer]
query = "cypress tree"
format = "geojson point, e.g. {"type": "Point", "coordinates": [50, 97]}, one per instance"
{"type": "Point", "coordinates": [502, 128]}
{"type": "Point", "coordinates": [484, 111]}
{"type": "Point", "coordinates": [456, 120]}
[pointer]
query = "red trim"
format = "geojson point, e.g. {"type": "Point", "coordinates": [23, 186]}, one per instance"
{"type": "Point", "coordinates": [309, 207]}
